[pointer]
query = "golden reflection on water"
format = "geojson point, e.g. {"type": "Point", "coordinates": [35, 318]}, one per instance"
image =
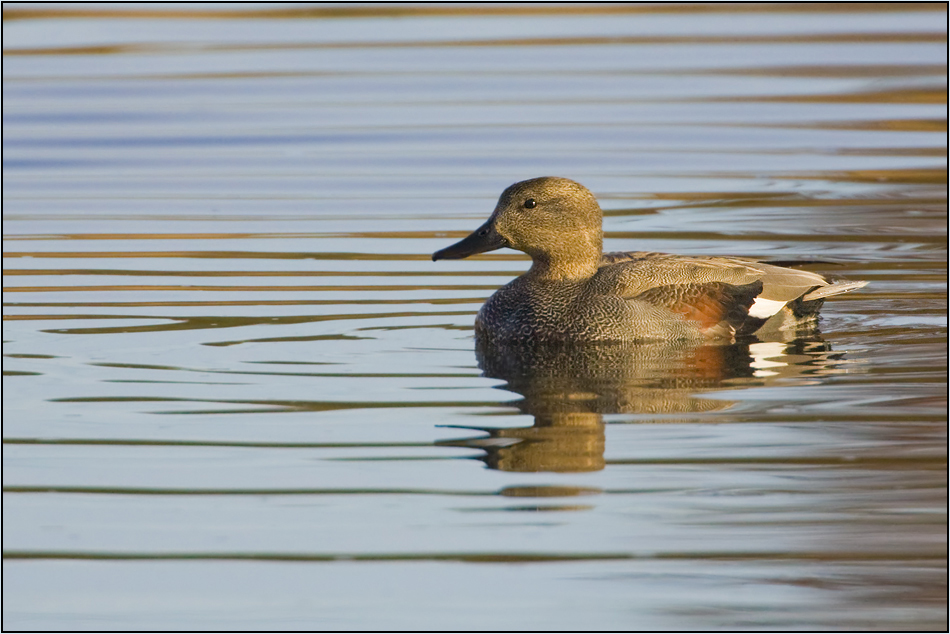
{"type": "Point", "coordinates": [568, 389]}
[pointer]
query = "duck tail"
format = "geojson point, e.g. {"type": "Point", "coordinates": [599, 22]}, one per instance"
{"type": "Point", "coordinates": [835, 288]}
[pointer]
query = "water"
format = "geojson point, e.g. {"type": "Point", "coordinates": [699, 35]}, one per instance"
{"type": "Point", "coordinates": [238, 393]}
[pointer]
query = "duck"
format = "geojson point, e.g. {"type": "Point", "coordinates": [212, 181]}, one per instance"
{"type": "Point", "coordinates": [575, 293]}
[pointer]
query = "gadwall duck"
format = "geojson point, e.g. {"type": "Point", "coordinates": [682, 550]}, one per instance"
{"type": "Point", "coordinates": [574, 292]}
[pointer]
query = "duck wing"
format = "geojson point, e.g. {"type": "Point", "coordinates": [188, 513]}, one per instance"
{"type": "Point", "coordinates": [723, 295]}
{"type": "Point", "coordinates": [720, 309]}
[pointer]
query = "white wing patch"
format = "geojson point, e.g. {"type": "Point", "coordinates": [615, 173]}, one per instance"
{"type": "Point", "coordinates": [765, 308]}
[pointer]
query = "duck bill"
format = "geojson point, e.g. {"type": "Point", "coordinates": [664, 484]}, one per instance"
{"type": "Point", "coordinates": [483, 239]}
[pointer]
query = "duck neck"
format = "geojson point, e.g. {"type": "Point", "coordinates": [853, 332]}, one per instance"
{"type": "Point", "coordinates": [573, 255]}
{"type": "Point", "coordinates": [547, 266]}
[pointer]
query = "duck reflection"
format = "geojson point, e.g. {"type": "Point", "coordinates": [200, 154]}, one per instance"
{"type": "Point", "coordinates": [568, 389]}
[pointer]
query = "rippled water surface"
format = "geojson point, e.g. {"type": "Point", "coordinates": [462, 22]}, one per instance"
{"type": "Point", "coordinates": [238, 393]}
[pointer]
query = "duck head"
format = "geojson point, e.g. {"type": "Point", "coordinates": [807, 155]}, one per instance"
{"type": "Point", "coordinates": [554, 220]}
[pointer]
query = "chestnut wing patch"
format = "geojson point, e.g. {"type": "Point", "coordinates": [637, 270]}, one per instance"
{"type": "Point", "coordinates": [709, 303]}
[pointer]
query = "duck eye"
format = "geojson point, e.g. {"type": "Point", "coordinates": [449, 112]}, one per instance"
{"type": "Point", "coordinates": [530, 204]}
